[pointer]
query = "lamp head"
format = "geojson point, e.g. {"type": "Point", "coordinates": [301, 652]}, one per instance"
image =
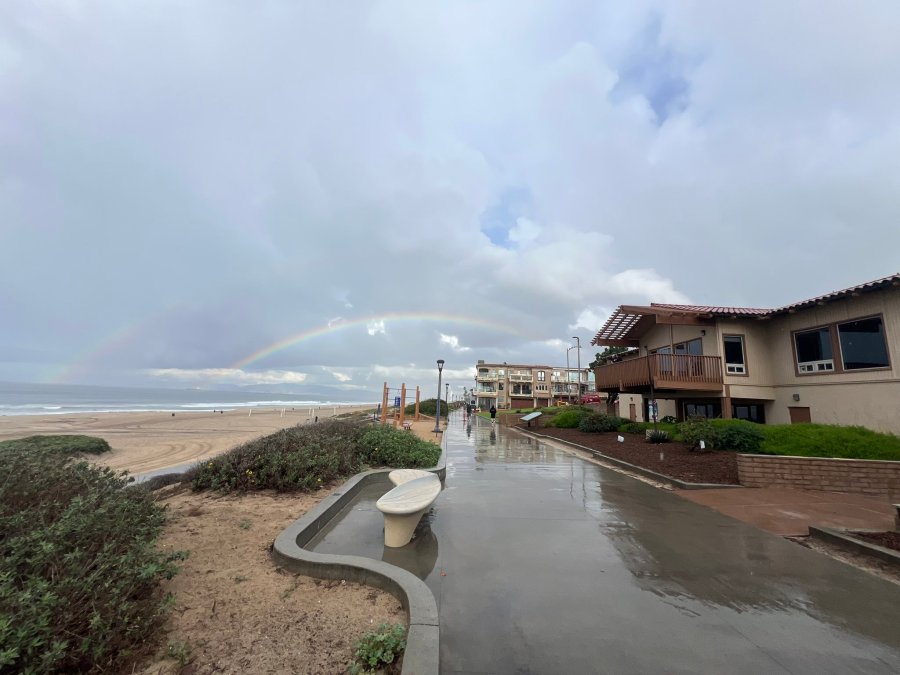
{"type": "Point", "coordinates": [440, 363]}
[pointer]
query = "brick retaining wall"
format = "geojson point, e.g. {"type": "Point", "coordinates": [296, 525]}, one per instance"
{"type": "Point", "coordinates": [868, 477]}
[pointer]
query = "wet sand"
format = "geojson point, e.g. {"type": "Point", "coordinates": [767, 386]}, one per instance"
{"type": "Point", "coordinates": [148, 441]}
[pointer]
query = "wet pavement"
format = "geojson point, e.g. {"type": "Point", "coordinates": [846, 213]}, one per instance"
{"type": "Point", "coordinates": [541, 562]}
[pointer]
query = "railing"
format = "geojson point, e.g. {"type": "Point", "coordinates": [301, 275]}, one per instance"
{"type": "Point", "coordinates": [668, 371]}
{"type": "Point", "coordinates": [520, 377]}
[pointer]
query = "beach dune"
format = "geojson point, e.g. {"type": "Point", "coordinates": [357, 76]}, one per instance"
{"type": "Point", "coordinates": [149, 441]}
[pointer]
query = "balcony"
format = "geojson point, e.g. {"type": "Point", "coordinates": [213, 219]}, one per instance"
{"type": "Point", "coordinates": [520, 377]}
{"type": "Point", "coordinates": [665, 371]}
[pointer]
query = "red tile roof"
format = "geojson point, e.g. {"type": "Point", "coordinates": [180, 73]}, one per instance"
{"type": "Point", "coordinates": [626, 317]}
{"type": "Point", "coordinates": [704, 309]}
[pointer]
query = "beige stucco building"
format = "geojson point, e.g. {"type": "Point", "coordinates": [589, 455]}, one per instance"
{"type": "Point", "coordinates": [831, 359]}
{"type": "Point", "coordinates": [528, 386]}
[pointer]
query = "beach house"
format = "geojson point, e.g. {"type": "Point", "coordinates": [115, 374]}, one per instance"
{"type": "Point", "coordinates": [832, 359]}
{"type": "Point", "coordinates": [528, 386]}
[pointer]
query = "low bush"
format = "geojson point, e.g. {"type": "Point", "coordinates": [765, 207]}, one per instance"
{"type": "Point", "coordinates": [63, 445]}
{"type": "Point", "coordinates": [79, 567]}
{"type": "Point", "coordinates": [386, 446]}
{"type": "Point", "coordinates": [303, 458]}
{"type": "Point", "coordinates": [598, 422]}
{"type": "Point", "coordinates": [698, 429]}
{"type": "Point", "coordinates": [429, 407]}
{"type": "Point", "coordinates": [567, 419]}
{"type": "Point", "coordinates": [635, 427]}
{"type": "Point", "coordinates": [379, 650]}
{"type": "Point", "coordinates": [657, 436]}
{"type": "Point", "coordinates": [825, 440]}
{"type": "Point", "coordinates": [738, 435]}
{"type": "Point", "coordinates": [669, 419]}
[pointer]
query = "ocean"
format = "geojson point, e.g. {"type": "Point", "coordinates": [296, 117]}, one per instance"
{"type": "Point", "coordinates": [48, 399]}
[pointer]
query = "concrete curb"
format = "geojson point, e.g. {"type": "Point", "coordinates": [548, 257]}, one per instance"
{"type": "Point", "coordinates": [641, 471]}
{"type": "Point", "coordinates": [422, 653]}
{"type": "Point", "coordinates": [846, 541]}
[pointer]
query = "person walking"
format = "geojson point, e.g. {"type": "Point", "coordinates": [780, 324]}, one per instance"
{"type": "Point", "coordinates": [493, 414]}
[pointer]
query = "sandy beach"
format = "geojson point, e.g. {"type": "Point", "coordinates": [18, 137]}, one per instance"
{"type": "Point", "coordinates": [149, 441]}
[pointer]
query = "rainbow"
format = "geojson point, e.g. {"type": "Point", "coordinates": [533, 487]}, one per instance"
{"type": "Point", "coordinates": [344, 324]}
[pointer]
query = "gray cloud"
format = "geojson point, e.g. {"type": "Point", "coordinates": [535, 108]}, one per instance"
{"type": "Point", "coordinates": [184, 186]}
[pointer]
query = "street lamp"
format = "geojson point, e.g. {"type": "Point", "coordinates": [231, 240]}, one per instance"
{"type": "Point", "coordinates": [568, 376]}
{"type": "Point", "coordinates": [447, 401]}
{"type": "Point", "coordinates": [437, 417]}
{"type": "Point", "coordinates": [578, 347]}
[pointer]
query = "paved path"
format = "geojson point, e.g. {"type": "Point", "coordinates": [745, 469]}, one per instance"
{"type": "Point", "coordinates": [544, 563]}
{"type": "Point", "coordinates": [790, 512]}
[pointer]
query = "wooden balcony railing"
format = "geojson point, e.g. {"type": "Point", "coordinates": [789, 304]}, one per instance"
{"type": "Point", "coordinates": [666, 371]}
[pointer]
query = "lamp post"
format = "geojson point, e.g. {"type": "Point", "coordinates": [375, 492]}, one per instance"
{"type": "Point", "coordinates": [437, 417]}
{"type": "Point", "coordinates": [447, 401]}
{"type": "Point", "coordinates": [578, 347]}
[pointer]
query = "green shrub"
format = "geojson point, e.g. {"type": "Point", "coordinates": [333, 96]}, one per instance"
{"type": "Point", "coordinates": [598, 422]}
{"type": "Point", "coordinates": [429, 407]}
{"type": "Point", "coordinates": [698, 429]}
{"type": "Point", "coordinates": [657, 436]}
{"type": "Point", "coordinates": [824, 440]}
{"type": "Point", "coordinates": [306, 457]}
{"type": "Point", "coordinates": [64, 445]}
{"type": "Point", "coordinates": [386, 446]}
{"type": "Point", "coordinates": [379, 648]}
{"type": "Point", "coordinates": [738, 435]}
{"type": "Point", "coordinates": [635, 427]}
{"type": "Point", "coordinates": [79, 567]}
{"type": "Point", "coordinates": [567, 419]}
{"type": "Point", "coordinates": [669, 419]}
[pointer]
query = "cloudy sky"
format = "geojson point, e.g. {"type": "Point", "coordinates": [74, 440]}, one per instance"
{"type": "Point", "coordinates": [336, 194]}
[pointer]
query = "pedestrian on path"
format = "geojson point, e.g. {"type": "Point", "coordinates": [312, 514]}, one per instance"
{"type": "Point", "coordinates": [493, 414]}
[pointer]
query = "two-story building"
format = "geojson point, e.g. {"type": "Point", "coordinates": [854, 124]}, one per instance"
{"type": "Point", "coordinates": [528, 386]}
{"type": "Point", "coordinates": [831, 359]}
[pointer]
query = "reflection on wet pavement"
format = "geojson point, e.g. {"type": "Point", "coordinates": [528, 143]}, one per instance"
{"type": "Point", "coordinates": [543, 563]}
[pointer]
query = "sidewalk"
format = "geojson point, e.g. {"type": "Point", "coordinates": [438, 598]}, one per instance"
{"type": "Point", "coordinates": [788, 512]}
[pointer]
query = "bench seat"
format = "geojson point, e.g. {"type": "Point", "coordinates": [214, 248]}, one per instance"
{"type": "Point", "coordinates": [404, 506]}
{"type": "Point", "coordinates": [400, 476]}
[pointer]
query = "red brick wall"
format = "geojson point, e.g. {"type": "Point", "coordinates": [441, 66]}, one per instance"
{"type": "Point", "coordinates": [867, 477]}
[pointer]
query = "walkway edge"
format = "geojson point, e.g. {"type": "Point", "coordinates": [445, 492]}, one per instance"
{"type": "Point", "coordinates": [422, 653]}
{"type": "Point", "coordinates": [646, 473]}
{"type": "Point", "coordinates": [845, 541]}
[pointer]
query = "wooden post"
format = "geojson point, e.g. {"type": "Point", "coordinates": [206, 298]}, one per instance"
{"type": "Point", "coordinates": [384, 399]}
{"type": "Point", "coordinates": [417, 403]}
{"type": "Point", "coordinates": [402, 403]}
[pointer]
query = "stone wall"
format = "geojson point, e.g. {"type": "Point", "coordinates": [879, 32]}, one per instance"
{"type": "Point", "coordinates": [867, 477]}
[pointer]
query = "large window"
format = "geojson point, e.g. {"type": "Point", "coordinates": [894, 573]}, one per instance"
{"type": "Point", "coordinates": [540, 376]}
{"type": "Point", "coordinates": [734, 355]}
{"type": "Point", "coordinates": [863, 344]}
{"type": "Point", "coordinates": [814, 353]}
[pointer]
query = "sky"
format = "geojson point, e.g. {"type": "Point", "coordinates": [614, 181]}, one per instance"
{"type": "Point", "coordinates": [330, 196]}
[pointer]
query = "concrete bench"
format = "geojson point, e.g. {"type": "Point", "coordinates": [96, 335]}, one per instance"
{"type": "Point", "coordinates": [407, 426]}
{"type": "Point", "coordinates": [404, 506]}
{"type": "Point", "coordinates": [401, 476]}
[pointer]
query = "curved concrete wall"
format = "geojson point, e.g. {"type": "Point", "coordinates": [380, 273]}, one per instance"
{"type": "Point", "coordinates": [422, 655]}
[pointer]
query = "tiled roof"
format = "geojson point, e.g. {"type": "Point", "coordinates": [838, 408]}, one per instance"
{"type": "Point", "coordinates": [892, 280]}
{"type": "Point", "coordinates": [625, 318]}
{"type": "Point", "coordinates": [704, 309]}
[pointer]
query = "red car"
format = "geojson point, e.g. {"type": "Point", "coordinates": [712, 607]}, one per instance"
{"type": "Point", "coordinates": [590, 398]}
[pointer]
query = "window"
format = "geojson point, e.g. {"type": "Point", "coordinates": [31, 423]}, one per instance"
{"type": "Point", "coordinates": [734, 355]}
{"type": "Point", "coordinates": [814, 354]}
{"type": "Point", "coordinates": [863, 344]}
{"type": "Point", "coordinates": [691, 347]}
{"type": "Point", "coordinates": [752, 412]}
{"type": "Point", "coordinates": [540, 376]}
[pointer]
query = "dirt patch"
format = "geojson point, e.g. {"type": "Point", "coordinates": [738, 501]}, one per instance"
{"type": "Point", "coordinates": [675, 460]}
{"type": "Point", "coordinates": [887, 539]}
{"type": "Point", "coordinates": [236, 612]}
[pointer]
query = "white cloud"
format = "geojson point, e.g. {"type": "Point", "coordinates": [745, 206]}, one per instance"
{"type": "Point", "coordinates": [453, 342]}
{"type": "Point", "coordinates": [375, 327]}
{"type": "Point", "coordinates": [341, 377]}
{"type": "Point", "coordinates": [228, 375]}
